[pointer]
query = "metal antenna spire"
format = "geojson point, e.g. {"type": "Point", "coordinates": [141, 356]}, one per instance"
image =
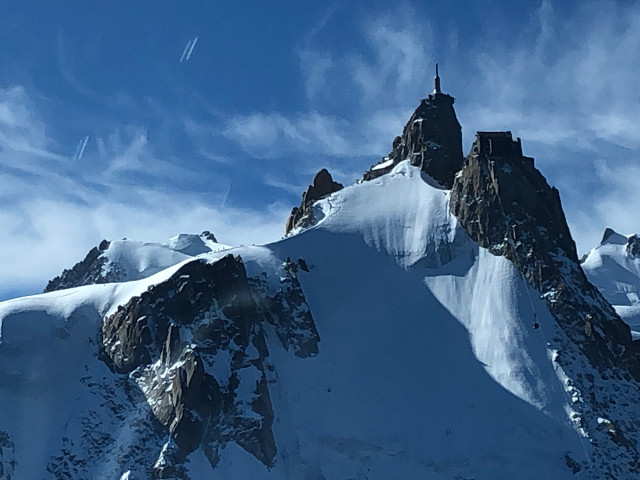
{"type": "Point", "coordinates": [436, 88]}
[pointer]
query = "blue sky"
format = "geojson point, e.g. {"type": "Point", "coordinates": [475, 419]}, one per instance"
{"type": "Point", "coordinates": [112, 126]}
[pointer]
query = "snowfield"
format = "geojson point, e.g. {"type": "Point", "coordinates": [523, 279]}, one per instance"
{"type": "Point", "coordinates": [616, 273]}
{"type": "Point", "coordinates": [429, 364]}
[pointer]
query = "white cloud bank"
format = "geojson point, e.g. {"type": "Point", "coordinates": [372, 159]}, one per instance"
{"type": "Point", "coordinates": [44, 236]}
{"type": "Point", "coordinates": [53, 208]}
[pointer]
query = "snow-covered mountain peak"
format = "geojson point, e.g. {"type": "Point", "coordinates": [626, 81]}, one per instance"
{"type": "Point", "coordinates": [129, 260]}
{"type": "Point", "coordinates": [194, 245]}
{"type": "Point", "coordinates": [400, 330]}
{"type": "Point", "coordinates": [613, 237]}
{"type": "Point", "coordinates": [614, 267]}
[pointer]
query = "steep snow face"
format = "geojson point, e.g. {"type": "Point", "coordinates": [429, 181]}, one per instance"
{"type": "Point", "coordinates": [406, 215]}
{"type": "Point", "coordinates": [132, 260]}
{"type": "Point", "coordinates": [614, 267]}
{"type": "Point", "coordinates": [55, 393]}
{"type": "Point", "coordinates": [429, 363]}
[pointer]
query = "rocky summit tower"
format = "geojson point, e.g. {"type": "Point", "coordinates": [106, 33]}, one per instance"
{"type": "Point", "coordinates": [431, 139]}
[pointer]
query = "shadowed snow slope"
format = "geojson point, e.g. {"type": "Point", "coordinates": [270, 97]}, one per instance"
{"type": "Point", "coordinates": [428, 364]}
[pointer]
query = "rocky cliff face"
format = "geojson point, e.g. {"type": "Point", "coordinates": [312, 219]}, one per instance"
{"type": "Point", "coordinates": [7, 456]}
{"type": "Point", "coordinates": [505, 204]}
{"type": "Point", "coordinates": [86, 272]}
{"type": "Point", "coordinates": [431, 140]}
{"type": "Point", "coordinates": [302, 216]}
{"type": "Point", "coordinates": [195, 346]}
{"type": "Point", "coordinates": [633, 246]}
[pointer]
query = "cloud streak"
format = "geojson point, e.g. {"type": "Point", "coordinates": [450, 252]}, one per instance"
{"type": "Point", "coordinates": [188, 49]}
{"type": "Point", "coordinates": [82, 145]}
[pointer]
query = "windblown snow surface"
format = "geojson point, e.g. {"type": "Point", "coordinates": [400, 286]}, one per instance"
{"type": "Point", "coordinates": [616, 273]}
{"type": "Point", "coordinates": [134, 260]}
{"type": "Point", "coordinates": [429, 366]}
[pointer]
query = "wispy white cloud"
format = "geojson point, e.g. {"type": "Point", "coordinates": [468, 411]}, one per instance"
{"type": "Point", "coordinates": [565, 79]}
{"type": "Point", "coordinates": [269, 135]}
{"type": "Point", "coordinates": [616, 204]}
{"type": "Point", "coordinates": [315, 67]}
{"type": "Point", "coordinates": [20, 130]}
{"type": "Point", "coordinates": [275, 181]}
{"type": "Point", "coordinates": [401, 51]}
{"type": "Point", "coordinates": [44, 236]}
{"type": "Point", "coordinates": [378, 81]}
{"type": "Point", "coordinates": [130, 154]}
{"type": "Point", "coordinates": [52, 216]}
{"type": "Point", "coordinates": [127, 152]}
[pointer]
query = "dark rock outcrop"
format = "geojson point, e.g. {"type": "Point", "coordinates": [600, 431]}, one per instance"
{"type": "Point", "coordinates": [169, 336]}
{"type": "Point", "coordinates": [207, 235]}
{"type": "Point", "coordinates": [323, 185]}
{"type": "Point", "coordinates": [431, 140]}
{"type": "Point", "coordinates": [7, 456]}
{"type": "Point", "coordinates": [505, 204]}
{"type": "Point", "coordinates": [195, 345]}
{"type": "Point", "coordinates": [608, 233]}
{"type": "Point", "coordinates": [633, 246]}
{"type": "Point", "coordinates": [288, 311]}
{"type": "Point", "coordinates": [86, 272]}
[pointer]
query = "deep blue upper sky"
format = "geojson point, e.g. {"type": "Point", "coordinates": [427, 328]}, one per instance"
{"type": "Point", "coordinates": [108, 130]}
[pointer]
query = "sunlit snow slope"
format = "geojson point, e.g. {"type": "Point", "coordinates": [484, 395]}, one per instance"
{"type": "Point", "coordinates": [136, 260]}
{"type": "Point", "coordinates": [429, 364]}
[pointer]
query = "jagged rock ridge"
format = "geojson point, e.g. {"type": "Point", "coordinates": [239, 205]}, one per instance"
{"type": "Point", "coordinates": [322, 185]}
{"type": "Point", "coordinates": [86, 272]}
{"type": "Point", "coordinates": [195, 342]}
{"type": "Point", "coordinates": [505, 204]}
{"type": "Point", "coordinates": [431, 140]}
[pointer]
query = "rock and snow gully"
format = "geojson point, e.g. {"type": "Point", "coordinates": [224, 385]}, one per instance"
{"type": "Point", "coordinates": [430, 321]}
